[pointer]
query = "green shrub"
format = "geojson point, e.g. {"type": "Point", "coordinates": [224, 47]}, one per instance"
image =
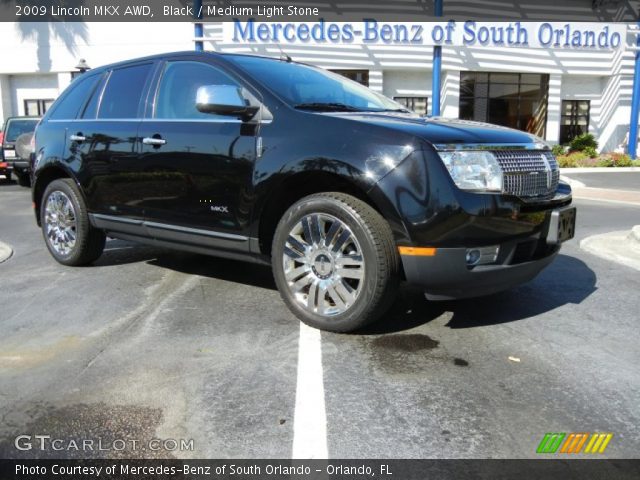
{"type": "Point", "coordinates": [591, 152]}
{"type": "Point", "coordinates": [579, 143]}
{"type": "Point", "coordinates": [615, 160]}
{"type": "Point", "coordinates": [558, 150]}
{"type": "Point", "coordinates": [605, 162]}
{"type": "Point", "coordinates": [572, 160]}
{"type": "Point", "coordinates": [621, 159]}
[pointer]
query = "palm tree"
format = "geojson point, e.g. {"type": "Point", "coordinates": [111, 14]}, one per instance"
{"type": "Point", "coordinates": [47, 28]}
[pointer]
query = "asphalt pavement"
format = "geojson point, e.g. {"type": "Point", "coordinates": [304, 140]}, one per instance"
{"type": "Point", "coordinates": [149, 343]}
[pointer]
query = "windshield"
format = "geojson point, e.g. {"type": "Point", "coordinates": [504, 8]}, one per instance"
{"type": "Point", "coordinates": [307, 87]}
{"type": "Point", "coordinates": [18, 127]}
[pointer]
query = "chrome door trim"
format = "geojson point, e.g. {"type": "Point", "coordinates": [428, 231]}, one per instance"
{"type": "Point", "coordinates": [166, 226]}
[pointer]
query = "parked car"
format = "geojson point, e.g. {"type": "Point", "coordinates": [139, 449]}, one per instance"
{"type": "Point", "coordinates": [15, 146]}
{"type": "Point", "coordinates": [342, 191]}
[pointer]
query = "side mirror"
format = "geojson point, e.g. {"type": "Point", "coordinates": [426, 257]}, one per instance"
{"type": "Point", "coordinates": [224, 100]}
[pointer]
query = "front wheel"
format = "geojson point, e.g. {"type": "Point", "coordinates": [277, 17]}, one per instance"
{"type": "Point", "coordinates": [65, 225]}
{"type": "Point", "coordinates": [335, 262]}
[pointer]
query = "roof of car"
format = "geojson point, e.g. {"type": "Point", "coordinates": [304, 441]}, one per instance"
{"type": "Point", "coordinates": [179, 54]}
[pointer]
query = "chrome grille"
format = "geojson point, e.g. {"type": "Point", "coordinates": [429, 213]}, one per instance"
{"type": "Point", "coordinates": [528, 173]}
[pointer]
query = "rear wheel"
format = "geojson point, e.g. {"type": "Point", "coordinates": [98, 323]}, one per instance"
{"type": "Point", "coordinates": [7, 177]}
{"type": "Point", "coordinates": [335, 262]}
{"type": "Point", "coordinates": [65, 225]}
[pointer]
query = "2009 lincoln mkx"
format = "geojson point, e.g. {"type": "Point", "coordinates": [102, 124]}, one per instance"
{"type": "Point", "coordinates": [343, 191]}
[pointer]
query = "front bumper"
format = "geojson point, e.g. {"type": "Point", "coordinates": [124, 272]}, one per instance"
{"type": "Point", "coordinates": [445, 274]}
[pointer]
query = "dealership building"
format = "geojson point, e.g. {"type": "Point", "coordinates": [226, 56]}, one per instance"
{"type": "Point", "coordinates": [554, 79]}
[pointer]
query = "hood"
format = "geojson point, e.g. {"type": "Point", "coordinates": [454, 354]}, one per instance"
{"type": "Point", "coordinates": [443, 131]}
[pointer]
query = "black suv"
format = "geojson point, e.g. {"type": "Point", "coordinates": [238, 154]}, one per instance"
{"type": "Point", "coordinates": [343, 191]}
{"type": "Point", "coordinates": [16, 150]}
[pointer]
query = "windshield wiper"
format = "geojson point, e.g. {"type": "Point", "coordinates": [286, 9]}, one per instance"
{"type": "Point", "coordinates": [399, 110]}
{"type": "Point", "coordinates": [327, 107]}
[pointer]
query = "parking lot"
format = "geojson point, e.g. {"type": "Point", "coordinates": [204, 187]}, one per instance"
{"type": "Point", "coordinates": [150, 343]}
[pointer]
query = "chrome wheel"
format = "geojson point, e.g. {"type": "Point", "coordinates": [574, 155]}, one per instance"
{"type": "Point", "coordinates": [323, 264]}
{"type": "Point", "coordinates": [60, 223]}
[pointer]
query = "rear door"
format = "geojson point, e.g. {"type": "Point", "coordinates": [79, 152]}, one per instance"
{"type": "Point", "coordinates": [198, 165]}
{"type": "Point", "coordinates": [105, 142]}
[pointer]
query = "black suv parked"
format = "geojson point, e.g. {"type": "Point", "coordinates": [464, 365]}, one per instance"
{"type": "Point", "coordinates": [341, 190]}
{"type": "Point", "coordinates": [16, 149]}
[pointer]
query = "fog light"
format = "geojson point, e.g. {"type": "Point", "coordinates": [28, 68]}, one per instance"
{"type": "Point", "coordinates": [473, 257]}
{"type": "Point", "coordinates": [482, 255]}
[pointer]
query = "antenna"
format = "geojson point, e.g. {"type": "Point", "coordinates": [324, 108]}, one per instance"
{"type": "Point", "coordinates": [283, 54]}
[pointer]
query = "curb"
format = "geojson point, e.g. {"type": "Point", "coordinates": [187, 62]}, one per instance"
{"type": "Point", "coordinates": [620, 247]}
{"type": "Point", "coordinates": [5, 252]}
{"type": "Point", "coordinates": [567, 171]}
{"type": "Point", "coordinates": [572, 183]}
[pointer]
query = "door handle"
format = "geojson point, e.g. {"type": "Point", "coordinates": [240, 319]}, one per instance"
{"type": "Point", "coordinates": [77, 138]}
{"type": "Point", "coordinates": [156, 142]}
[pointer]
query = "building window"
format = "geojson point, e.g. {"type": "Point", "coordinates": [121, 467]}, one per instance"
{"type": "Point", "coordinates": [415, 104]}
{"type": "Point", "coordinates": [37, 107]}
{"type": "Point", "coordinates": [574, 119]}
{"type": "Point", "coordinates": [360, 76]}
{"type": "Point", "coordinates": [516, 100]}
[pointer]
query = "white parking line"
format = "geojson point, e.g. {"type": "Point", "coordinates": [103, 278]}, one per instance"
{"type": "Point", "coordinates": [310, 417]}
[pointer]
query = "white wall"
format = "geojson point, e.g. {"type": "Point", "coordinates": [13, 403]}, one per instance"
{"type": "Point", "coordinates": [33, 87]}
{"type": "Point", "coordinates": [5, 99]}
{"type": "Point", "coordinates": [554, 102]}
{"type": "Point", "coordinates": [56, 47]}
{"type": "Point", "coordinates": [407, 83]}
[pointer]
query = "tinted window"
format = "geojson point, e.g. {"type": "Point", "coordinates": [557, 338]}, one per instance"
{"type": "Point", "coordinates": [91, 110]}
{"type": "Point", "coordinates": [71, 103]}
{"type": "Point", "coordinates": [122, 94]}
{"type": "Point", "coordinates": [178, 87]}
{"type": "Point", "coordinates": [17, 127]}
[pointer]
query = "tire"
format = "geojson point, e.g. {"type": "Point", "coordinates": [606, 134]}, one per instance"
{"type": "Point", "coordinates": [69, 236]}
{"type": "Point", "coordinates": [7, 177]}
{"type": "Point", "coordinates": [23, 179]}
{"type": "Point", "coordinates": [335, 262]}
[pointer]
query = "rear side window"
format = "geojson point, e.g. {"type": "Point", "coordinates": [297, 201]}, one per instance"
{"type": "Point", "coordinates": [121, 97]}
{"type": "Point", "coordinates": [91, 110]}
{"type": "Point", "coordinates": [17, 127]}
{"type": "Point", "coordinates": [71, 103]}
{"type": "Point", "coordinates": [178, 87]}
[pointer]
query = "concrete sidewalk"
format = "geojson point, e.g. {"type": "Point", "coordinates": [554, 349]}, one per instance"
{"type": "Point", "coordinates": [620, 247]}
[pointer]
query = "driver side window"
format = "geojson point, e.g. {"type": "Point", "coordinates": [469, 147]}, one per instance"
{"type": "Point", "coordinates": [180, 81]}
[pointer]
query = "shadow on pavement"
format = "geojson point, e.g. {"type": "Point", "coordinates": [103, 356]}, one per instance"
{"type": "Point", "coordinates": [219, 268]}
{"type": "Point", "coordinates": [567, 280]}
{"type": "Point", "coordinates": [122, 252]}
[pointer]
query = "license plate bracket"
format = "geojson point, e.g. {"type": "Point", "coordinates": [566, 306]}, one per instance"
{"type": "Point", "coordinates": [562, 225]}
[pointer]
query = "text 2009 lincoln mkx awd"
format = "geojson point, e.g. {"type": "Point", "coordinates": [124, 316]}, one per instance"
{"type": "Point", "coordinates": [343, 191]}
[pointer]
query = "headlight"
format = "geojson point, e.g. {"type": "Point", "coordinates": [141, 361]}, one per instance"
{"type": "Point", "coordinates": [474, 170]}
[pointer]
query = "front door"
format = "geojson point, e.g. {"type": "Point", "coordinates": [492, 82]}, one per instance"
{"type": "Point", "coordinates": [198, 165]}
